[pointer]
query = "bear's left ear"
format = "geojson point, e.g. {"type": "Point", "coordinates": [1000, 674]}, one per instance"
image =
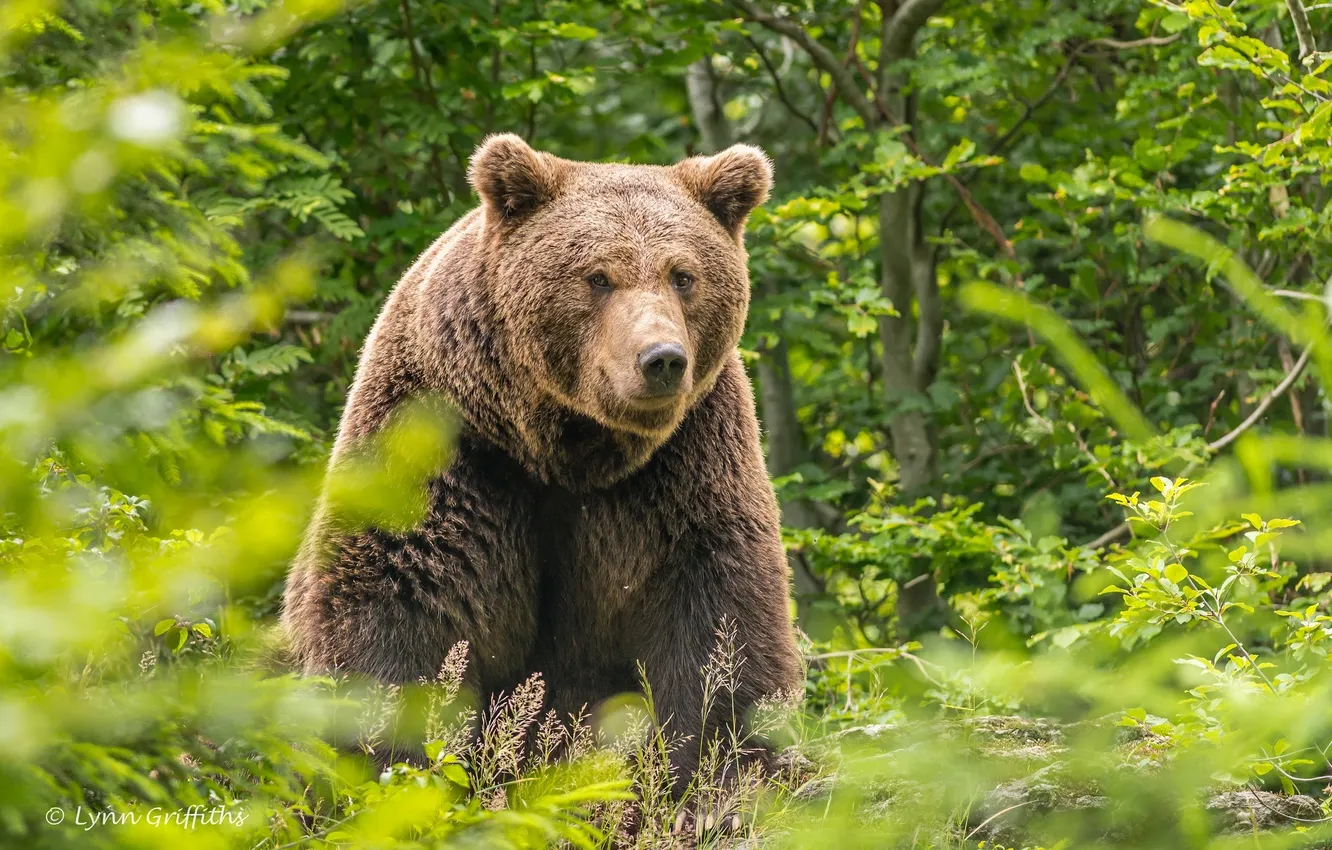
{"type": "Point", "coordinates": [730, 184]}
{"type": "Point", "coordinates": [511, 178]}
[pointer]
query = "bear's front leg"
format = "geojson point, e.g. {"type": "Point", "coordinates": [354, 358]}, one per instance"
{"type": "Point", "coordinates": [390, 605]}
{"type": "Point", "coordinates": [717, 640]}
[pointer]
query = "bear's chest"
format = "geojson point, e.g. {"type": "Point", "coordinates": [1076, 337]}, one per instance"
{"type": "Point", "coordinates": [599, 550]}
{"type": "Point", "coordinates": [602, 545]}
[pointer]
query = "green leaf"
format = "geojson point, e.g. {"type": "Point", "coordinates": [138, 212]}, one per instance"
{"type": "Point", "coordinates": [1176, 573]}
{"type": "Point", "coordinates": [861, 325]}
{"type": "Point", "coordinates": [456, 774]}
{"type": "Point", "coordinates": [960, 152]}
{"type": "Point", "coordinates": [1033, 173]}
{"type": "Point", "coordinates": [575, 31]}
{"type": "Point", "coordinates": [163, 626]}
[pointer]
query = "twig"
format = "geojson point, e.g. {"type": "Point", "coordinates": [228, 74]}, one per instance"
{"type": "Point", "coordinates": [306, 317]}
{"type": "Point", "coordinates": [1303, 296]}
{"type": "Point", "coordinates": [1028, 109]}
{"type": "Point", "coordinates": [1211, 411]}
{"type": "Point", "coordinates": [1153, 41]}
{"type": "Point", "coordinates": [1022, 389]}
{"type": "Point", "coordinates": [1221, 442]}
{"type": "Point", "coordinates": [1110, 536]}
{"type": "Point", "coordinates": [871, 112]}
{"type": "Point", "coordinates": [997, 814]}
{"type": "Point", "coordinates": [1279, 813]}
{"type": "Point", "coordinates": [818, 52]}
{"type": "Point", "coordinates": [777, 84]}
{"type": "Point", "coordinates": [1279, 390]}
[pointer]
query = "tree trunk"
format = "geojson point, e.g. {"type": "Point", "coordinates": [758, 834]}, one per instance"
{"type": "Point", "coordinates": [706, 104]}
{"type": "Point", "coordinates": [910, 343]}
{"type": "Point", "coordinates": [908, 426]}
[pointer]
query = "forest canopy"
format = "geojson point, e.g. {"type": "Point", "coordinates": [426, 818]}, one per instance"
{"type": "Point", "coordinates": [1039, 343]}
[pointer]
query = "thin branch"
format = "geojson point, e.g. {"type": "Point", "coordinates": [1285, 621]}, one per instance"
{"type": "Point", "coordinates": [306, 317]}
{"type": "Point", "coordinates": [1279, 390]}
{"type": "Point", "coordinates": [1110, 536]}
{"type": "Point", "coordinates": [818, 52]}
{"type": "Point", "coordinates": [1279, 813]}
{"type": "Point", "coordinates": [996, 815]}
{"type": "Point", "coordinates": [1221, 442]}
{"type": "Point", "coordinates": [978, 213]}
{"type": "Point", "coordinates": [1304, 296]}
{"type": "Point", "coordinates": [777, 84]}
{"type": "Point", "coordinates": [825, 118]}
{"type": "Point", "coordinates": [1029, 109]}
{"type": "Point", "coordinates": [1026, 402]}
{"type": "Point", "coordinates": [1154, 41]}
{"type": "Point", "coordinates": [870, 112]}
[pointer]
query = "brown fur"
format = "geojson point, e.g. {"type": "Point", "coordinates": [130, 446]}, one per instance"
{"type": "Point", "coordinates": [580, 528]}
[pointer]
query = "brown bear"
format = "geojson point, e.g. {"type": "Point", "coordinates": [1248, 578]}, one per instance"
{"type": "Point", "coordinates": [606, 503]}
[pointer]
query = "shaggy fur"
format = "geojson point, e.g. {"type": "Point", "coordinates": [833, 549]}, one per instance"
{"type": "Point", "coordinates": [581, 527]}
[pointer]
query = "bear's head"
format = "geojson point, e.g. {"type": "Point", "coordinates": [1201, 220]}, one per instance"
{"type": "Point", "coordinates": [621, 290]}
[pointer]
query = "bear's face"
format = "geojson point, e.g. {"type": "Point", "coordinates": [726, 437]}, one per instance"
{"type": "Point", "coordinates": [621, 289]}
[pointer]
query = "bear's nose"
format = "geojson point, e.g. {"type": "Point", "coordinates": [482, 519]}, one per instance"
{"type": "Point", "coordinates": [663, 367]}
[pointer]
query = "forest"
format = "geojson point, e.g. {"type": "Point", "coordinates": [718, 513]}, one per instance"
{"type": "Point", "coordinates": [1039, 343]}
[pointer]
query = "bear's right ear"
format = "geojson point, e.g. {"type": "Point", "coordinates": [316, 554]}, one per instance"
{"type": "Point", "coordinates": [511, 178]}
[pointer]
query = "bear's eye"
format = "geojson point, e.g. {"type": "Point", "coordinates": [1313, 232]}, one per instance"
{"type": "Point", "coordinates": [598, 281]}
{"type": "Point", "coordinates": [682, 281]}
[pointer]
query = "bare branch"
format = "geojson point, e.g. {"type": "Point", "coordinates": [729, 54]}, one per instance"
{"type": "Point", "coordinates": [1110, 536]}
{"type": "Point", "coordinates": [306, 317]}
{"type": "Point", "coordinates": [1153, 41]}
{"type": "Point", "coordinates": [777, 84]}
{"type": "Point", "coordinates": [1303, 296]}
{"type": "Point", "coordinates": [1279, 390]}
{"type": "Point", "coordinates": [1029, 109]}
{"type": "Point", "coordinates": [1221, 442]}
{"type": "Point", "coordinates": [818, 52]}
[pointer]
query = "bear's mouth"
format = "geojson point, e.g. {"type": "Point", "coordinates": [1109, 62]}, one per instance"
{"type": "Point", "coordinates": [654, 403]}
{"type": "Point", "coordinates": [648, 416]}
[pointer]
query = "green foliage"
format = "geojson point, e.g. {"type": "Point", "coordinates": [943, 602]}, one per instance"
{"type": "Point", "coordinates": [1120, 240]}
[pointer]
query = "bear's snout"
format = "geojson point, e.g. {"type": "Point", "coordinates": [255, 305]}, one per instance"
{"type": "Point", "coordinates": [663, 366]}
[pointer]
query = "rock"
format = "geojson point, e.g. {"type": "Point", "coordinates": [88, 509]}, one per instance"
{"type": "Point", "coordinates": [816, 789]}
{"type": "Point", "coordinates": [878, 733]}
{"type": "Point", "coordinates": [1247, 810]}
{"type": "Point", "coordinates": [1009, 806]}
{"type": "Point", "coordinates": [1016, 730]}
